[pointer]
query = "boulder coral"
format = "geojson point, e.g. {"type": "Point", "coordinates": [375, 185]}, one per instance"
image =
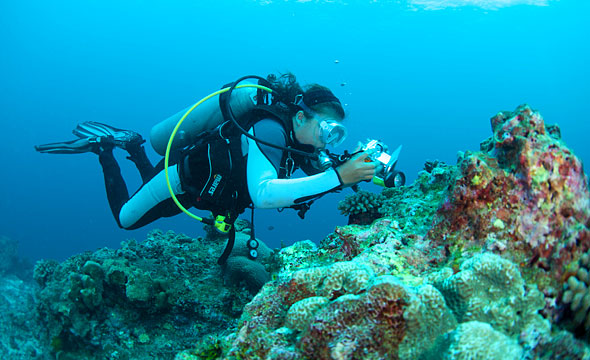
{"type": "Point", "coordinates": [240, 268]}
{"type": "Point", "coordinates": [475, 340]}
{"type": "Point", "coordinates": [389, 318]}
{"type": "Point", "coordinates": [490, 289]}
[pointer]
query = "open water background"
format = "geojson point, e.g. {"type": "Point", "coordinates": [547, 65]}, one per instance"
{"type": "Point", "coordinates": [427, 74]}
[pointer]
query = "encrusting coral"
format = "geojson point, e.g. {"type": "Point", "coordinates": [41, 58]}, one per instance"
{"type": "Point", "coordinates": [524, 196]}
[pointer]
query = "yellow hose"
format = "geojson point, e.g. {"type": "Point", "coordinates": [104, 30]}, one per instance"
{"type": "Point", "coordinates": [169, 146]}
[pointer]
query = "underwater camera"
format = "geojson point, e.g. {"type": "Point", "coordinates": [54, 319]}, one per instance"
{"type": "Point", "coordinates": [376, 150]}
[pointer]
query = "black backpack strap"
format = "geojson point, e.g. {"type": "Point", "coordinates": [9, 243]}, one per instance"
{"type": "Point", "coordinates": [229, 247]}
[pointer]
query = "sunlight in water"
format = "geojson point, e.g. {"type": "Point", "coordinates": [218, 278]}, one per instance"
{"type": "Point", "coordinates": [486, 4]}
{"type": "Point", "coordinates": [424, 4]}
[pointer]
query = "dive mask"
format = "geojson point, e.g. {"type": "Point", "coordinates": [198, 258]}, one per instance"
{"type": "Point", "coordinates": [332, 132]}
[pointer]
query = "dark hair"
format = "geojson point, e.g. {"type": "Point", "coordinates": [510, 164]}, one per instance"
{"type": "Point", "coordinates": [332, 107]}
{"type": "Point", "coordinates": [287, 86]}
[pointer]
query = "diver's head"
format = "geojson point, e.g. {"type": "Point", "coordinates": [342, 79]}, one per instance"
{"type": "Point", "coordinates": [318, 120]}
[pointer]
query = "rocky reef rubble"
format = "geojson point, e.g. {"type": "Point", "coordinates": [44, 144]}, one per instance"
{"type": "Point", "coordinates": [146, 300]}
{"type": "Point", "coordinates": [18, 338]}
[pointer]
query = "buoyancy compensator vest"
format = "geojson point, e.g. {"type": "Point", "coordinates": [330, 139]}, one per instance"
{"type": "Point", "coordinates": [213, 168]}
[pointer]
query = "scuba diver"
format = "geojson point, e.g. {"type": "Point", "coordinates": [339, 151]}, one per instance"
{"type": "Point", "coordinates": [225, 170]}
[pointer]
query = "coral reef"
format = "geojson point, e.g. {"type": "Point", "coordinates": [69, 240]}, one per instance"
{"type": "Point", "coordinates": [153, 298]}
{"type": "Point", "coordinates": [18, 338]}
{"type": "Point", "coordinates": [481, 246]}
{"type": "Point", "coordinates": [486, 259]}
{"type": "Point", "coordinates": [524, 196]}
{"type": "Point", "coordinates": [362, 207]}
{"type": "Point", "coordinates": [312, 313]}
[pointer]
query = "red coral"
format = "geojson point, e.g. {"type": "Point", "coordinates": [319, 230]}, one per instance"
{"type": "Point", "coordinates": [529, 191]}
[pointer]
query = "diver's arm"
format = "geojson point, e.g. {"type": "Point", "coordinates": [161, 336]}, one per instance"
{"type": "Point", "coordinates": [267, 191]}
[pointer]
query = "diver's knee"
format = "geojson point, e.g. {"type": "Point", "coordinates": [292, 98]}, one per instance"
{"type": "Point", "coordinates": [127, 218]}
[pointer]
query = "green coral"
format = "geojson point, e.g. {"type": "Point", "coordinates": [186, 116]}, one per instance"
{"type": "Point", "coordinates": [146, 298]}
{"type": "Point", "coordinates": [362, 207]}
{"type": "Point", "coordinates": [360, 202]}
{"type": "Point", "coordinates": [414, 206]}
{"type": "Point", "coordinates": [490, 289]}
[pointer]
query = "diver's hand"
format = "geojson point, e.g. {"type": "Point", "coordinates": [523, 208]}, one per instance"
{"type": "Point", "coordinates": [356, 170]}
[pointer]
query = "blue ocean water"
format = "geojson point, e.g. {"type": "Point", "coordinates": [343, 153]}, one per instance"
{"type": "Point", "coordinates": [427, 74]}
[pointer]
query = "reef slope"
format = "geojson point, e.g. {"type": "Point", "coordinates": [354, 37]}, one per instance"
{"type": "Point", "coordinates": [485, 259]}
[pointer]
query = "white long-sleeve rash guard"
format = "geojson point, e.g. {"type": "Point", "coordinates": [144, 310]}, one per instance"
{"type": "Point", "coordinates": [266, 189]}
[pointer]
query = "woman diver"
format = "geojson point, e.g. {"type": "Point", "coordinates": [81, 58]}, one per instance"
{"type": "Point", "coordinates": [227, 171]}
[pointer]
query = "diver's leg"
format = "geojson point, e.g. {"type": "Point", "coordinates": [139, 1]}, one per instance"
{"type": "Point", "coordinates": [116, 188]}
{"type": "Point", "coordinates": [153, 201]}
{"type": "Point", "coordinates": [139, 157]}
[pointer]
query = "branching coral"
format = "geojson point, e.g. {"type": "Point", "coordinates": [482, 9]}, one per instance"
{"type": "Point", "coordinates": [362, 207]}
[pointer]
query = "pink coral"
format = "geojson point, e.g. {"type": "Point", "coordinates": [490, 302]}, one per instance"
{"type": "Point", "coordinates": [525, 189]}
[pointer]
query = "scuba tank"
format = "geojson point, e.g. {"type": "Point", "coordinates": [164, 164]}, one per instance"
{"type": "Point", "coordinates": [205, 117]}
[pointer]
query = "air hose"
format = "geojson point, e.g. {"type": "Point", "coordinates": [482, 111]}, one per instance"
{"type": "Point", "coordinates": [218, 223]}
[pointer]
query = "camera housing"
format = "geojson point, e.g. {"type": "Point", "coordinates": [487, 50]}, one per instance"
{"type": "Point", "coordinates": [385, 176]}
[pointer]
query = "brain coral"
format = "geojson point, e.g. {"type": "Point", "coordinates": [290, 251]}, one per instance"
{"type": "Point", "coordinates": [475, 340]}
{"type": "Point", "coordinates": [490, 289]}
{"type": "Point", "coordinates": [309, 312]}
{"type": "Point", "coordinates": [300, 314]}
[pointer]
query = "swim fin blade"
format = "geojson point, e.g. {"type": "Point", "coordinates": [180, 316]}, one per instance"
{"type": "Point", "coordinates": [78, 146]}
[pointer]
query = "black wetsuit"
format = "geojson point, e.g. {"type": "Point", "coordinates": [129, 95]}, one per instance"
{"type": "Point", "coordinates": [267, 175]}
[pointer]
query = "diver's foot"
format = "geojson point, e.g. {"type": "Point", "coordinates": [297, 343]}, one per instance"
{"type": "Point", "coordinates": [124, 139]}
{"type": "Point", "coordinates": [95, 144]}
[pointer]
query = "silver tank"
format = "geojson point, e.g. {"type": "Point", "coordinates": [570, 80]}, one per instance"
{"type": "Point", "coordinates": [204, 117]}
